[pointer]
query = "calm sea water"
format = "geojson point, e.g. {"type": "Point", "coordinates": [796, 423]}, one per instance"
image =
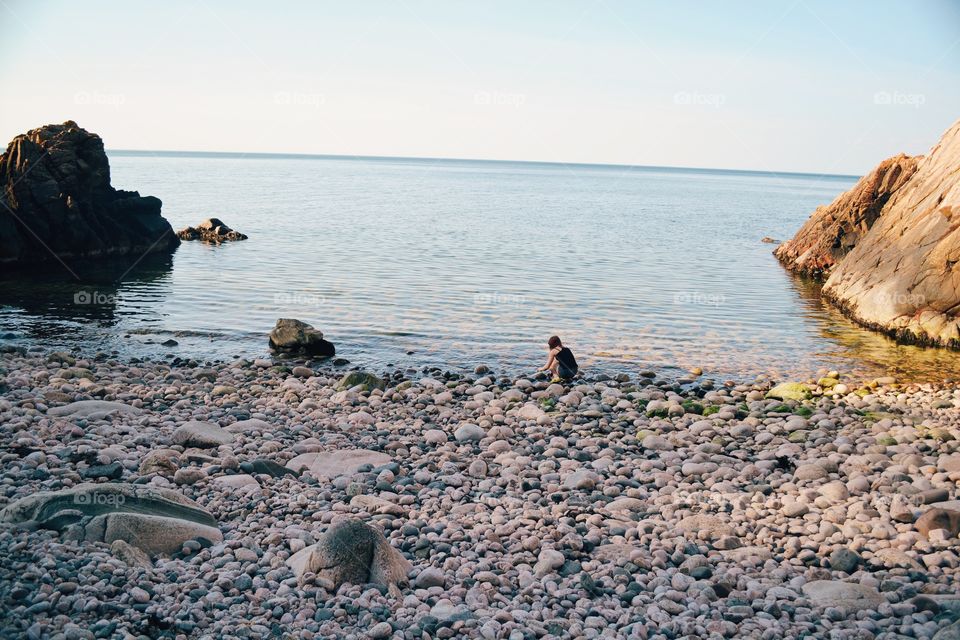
{"type": "Point", "coordinates": [454, 263]}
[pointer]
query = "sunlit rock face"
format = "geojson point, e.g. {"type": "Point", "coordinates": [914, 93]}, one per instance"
{"type": "Point", "coordinates": [893, 269]}
{"type": "Point", "coordinates": [833, 230]}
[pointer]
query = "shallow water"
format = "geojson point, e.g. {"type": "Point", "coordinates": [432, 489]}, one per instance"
{"type": "Point", "coordinates": [454, 263]}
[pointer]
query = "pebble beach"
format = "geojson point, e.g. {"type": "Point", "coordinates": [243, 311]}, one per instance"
{"type": "Point", "coordinates": [623, 506]}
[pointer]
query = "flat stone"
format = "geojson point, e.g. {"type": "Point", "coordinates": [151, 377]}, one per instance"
{"type": "Point", "coordinates": [157, 521]}
{"type": "Point", "coordinates": [338, 462]}
{"type": "Point", "coordinates": [237, 481]}
{"type": "Point", "coordinates": [626, 504]}
{"type": "Point", "coordinates": [201, 434]}
{"type": "Point", "coordinates": [846, 595]}
{"type": "Point", "coordinates": [247, 426]}
{"type": "Point", "coordinates": [752, 554]}
{"type": "Point", "coordinates": [374, 504]}
{"type": "Point", "coordinates": [714, 526]}
{"type": "Point", "coordinates": [92, 410]}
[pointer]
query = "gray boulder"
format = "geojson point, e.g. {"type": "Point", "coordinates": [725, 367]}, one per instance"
{"type": "Point", "coordinates": [154, 520]}
{"type": "Point", "coordinates": [351, 551]}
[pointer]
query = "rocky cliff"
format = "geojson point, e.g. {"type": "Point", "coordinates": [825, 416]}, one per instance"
{"type": "Point", "coordinates": [57, 202]}
{"type": "Point", "coordinates": [900, 275]}
{"type": "Point", "coordinates": [833, 230]}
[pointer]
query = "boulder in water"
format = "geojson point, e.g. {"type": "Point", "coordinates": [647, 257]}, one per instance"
{"type": "Point", "coordinates": [60, 206]}
{"type": "Point", "coordinates": [210, 230]}
{"type": "Point", "coordinates": [294, 336]}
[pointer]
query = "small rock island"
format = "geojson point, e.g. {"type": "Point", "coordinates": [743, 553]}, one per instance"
{"type": "Point", "coordinates": [58, 203]}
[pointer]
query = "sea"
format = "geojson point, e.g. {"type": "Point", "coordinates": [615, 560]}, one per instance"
{"type": "Point", "coordinates": [410, 263]}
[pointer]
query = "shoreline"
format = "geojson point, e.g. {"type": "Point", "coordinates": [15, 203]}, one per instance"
{"type": "Point", "coordinates": [524, 507]}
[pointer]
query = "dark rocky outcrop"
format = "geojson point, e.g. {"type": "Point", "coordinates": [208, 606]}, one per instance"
{"type": "Point", "coordinates": [296, 337]}
{"type": "Point", "coordinates": [892, 253]}
{"type": "Point", "coordinates": [57, 202]}
{"type": "Point", "coordinates": [210, 230]}
{"type": "Point", "coordinates": [833, 230]}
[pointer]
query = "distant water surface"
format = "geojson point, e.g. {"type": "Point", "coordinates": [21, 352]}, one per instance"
{"type": "Point", "coordinates": [414, 262]}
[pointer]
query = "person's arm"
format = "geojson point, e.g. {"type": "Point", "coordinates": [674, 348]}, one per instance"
{"type": "Point", "coordinates": [553, 356]}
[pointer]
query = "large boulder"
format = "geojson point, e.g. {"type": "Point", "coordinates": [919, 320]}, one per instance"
{"type": "Point", "coordinates": [92, 410]}
{"type": "Point", "coordinates": [833, 230]}
{"type": "Point", "coordinates": [155, 520]}
{"type": "Point", "coordinates": [294, 336]}
{"type": "Point", "coordinates": [901, 275]}
{"type": "Point", "coordinates": [351, 551]}
{"type": "Point", "coordinates": [210, 230]}
{"type": "Point", "coordinates": [58, 204]}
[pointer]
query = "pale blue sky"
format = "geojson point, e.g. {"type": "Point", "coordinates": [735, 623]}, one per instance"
{"type": "Point", "coordinates": [803, 85]}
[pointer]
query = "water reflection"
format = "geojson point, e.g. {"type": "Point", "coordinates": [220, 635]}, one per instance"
{"type": "Point", "coordinates": [869, 353]}
{"type": "Point", "coordinates": [49, 303]}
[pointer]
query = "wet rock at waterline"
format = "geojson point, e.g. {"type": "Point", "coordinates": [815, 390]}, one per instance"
{"type": "Point", "coordinates": [210, 230]}
{"type": "Point", "coordinates": [297, 337]}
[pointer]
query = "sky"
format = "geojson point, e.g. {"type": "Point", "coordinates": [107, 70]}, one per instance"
{"type": "Point", "coordinates": [801, 85]}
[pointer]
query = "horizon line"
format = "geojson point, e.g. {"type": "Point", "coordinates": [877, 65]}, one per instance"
{"type": "Point", "coordinates": [338, 156]}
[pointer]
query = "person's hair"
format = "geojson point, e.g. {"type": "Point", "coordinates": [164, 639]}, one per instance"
{"type": "Point", "coordinates": [553, 342]}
